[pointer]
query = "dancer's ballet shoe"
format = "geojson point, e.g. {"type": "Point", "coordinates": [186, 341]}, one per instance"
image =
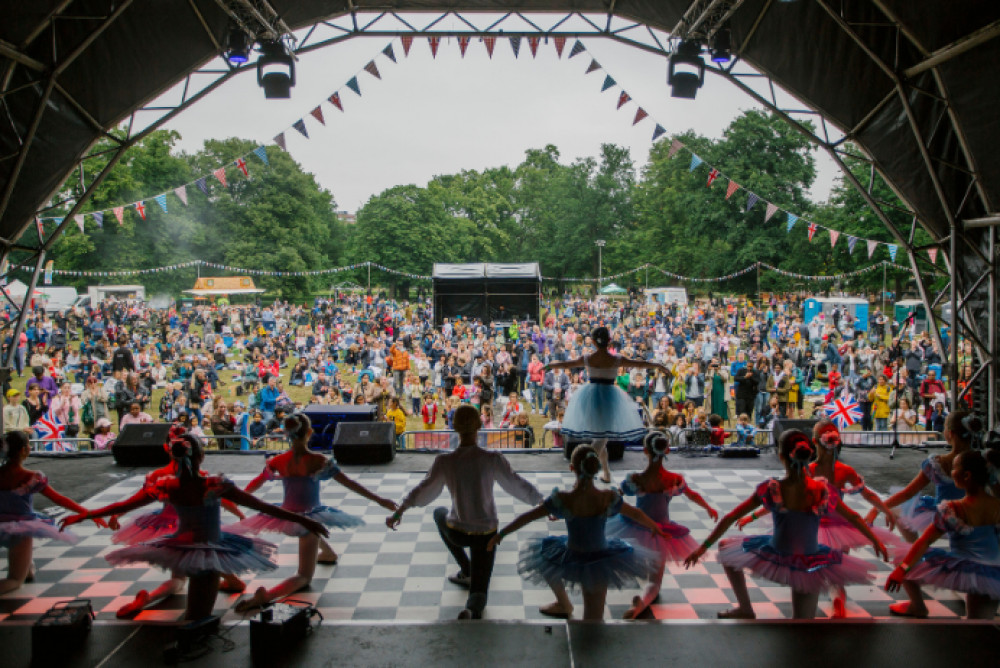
{"type": "Point", "coordinates": [555, 610]}
{"type": "Point", "coordinates": [736, 613]}
{"type": "Point", "coordinates": [839, 608]}
{"type": "Point", "coordinates": [30, 577]}
{"type": "Point", "coordinates": [327, 560]}
{"type": "Point", "coordinates": [130, 610]}
{"type": "Point", "coordinates": [232, 585]}
{"type": "Point", "coordinates": [902, 609]}
{"type": "Point", "coordinates": [258, 600]}
{"type": "Point", "coordinates": [636, 609]}
{"type": "Point", "coordinates": [606, 479]}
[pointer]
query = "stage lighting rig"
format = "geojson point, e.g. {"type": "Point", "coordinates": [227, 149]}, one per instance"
{"type": "Point", "coordinates": [722, 46]}
{"type": "Point", "coordinates": [686, 71]}
{"type": "Point", "coordinates": [238, 46]}
{"type": "Point", "coordinates": [275, 70]}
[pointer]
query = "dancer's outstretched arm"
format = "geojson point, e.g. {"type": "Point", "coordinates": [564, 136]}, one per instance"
{"type": "Point", "coordinates": [524, 519]}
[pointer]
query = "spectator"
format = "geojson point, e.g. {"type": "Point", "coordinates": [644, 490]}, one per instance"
{"type": "Point", "coordinates": [15, 416]}
{"type": "Point", "coordinates": [65, 407]}
{"type": "Point", "coordinates": [134, 416]}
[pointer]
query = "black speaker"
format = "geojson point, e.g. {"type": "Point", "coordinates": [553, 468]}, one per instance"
{"type": "Point", "coordinates": [782, 424]}
{"type": "Point", "coordinates": [325, 418]}
{"type": "Point", "coordinates": [616, 449]}
{"type": "Point", "coordinates": [142, 445]}
{"type": "Point", "coordinates": [364, 442]}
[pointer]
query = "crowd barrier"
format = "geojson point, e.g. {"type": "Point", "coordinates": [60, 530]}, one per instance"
{"type": "Point", "coordinates": [436, 440]}
{"type": "Point", "coordinates": [764, 438]}
{"type": "Point", "coordinates": [69, 444]}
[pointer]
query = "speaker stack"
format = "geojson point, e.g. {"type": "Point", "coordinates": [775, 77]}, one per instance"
{"type": "Point", "coordinates": [325, 419]}
{"type": "Point", "coordinates": [782, 425]}
{"type": "Point", "coordinates": [142, 445]}
{"type": "Point", "coordinates": [364, 442]}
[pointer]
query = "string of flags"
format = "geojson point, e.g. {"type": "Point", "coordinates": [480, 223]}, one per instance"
{"type": "Point", "coordinates": [736, 274]}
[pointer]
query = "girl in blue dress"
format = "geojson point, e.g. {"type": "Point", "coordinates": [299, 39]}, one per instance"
{"type": "Point", "coordinates": [199, 549]}
{"type": "Point", "coordinates": [654, 489]}
{"type": "Point", "coordinates": [19, 523]}
{"type": "Point", "coordinates": [599, 411]}
{"type": "Point", "coordinates": [586, 557]}
{"type": "Point", "coordinates": [301, 472]}
{"type": "Point", "coordinates": [971, 564]}
{"type": "Point", "coordinates": [791, 555]}
{"type": "Point", "coordinates": [916, 513]}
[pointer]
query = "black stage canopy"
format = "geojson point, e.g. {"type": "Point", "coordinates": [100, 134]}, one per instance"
{"type": "Point", "coordinates": [497, 293]}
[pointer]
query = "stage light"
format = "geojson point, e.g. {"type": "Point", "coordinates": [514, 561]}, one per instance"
{"type": "Point", "coordinates": [686, 72]}
{"type": "Point", "coordinates": [722, 46]}
{"type": "Point", "coordinates": [275, 70]}
{"type": "Point", "coordinates": [237, 48]}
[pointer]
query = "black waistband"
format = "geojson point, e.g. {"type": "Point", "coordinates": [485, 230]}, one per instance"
{"type": "Point", "coordinates": [603, 381]}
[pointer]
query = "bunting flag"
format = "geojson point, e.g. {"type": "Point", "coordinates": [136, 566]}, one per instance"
{"type": "Point", "coordinates": [639, 115]}
{"type": "Point", "coordinates": [260, 152]}
{"type": "Point", "coordinates": [515, 45]}
{"type": "Point", "coordinates": [608, 83]}
{"type": "Point", "coordinates": [182, 193]}
{"type": "Point", "coordinates": [932, 254]}
{"type": "Point", "coordinates": [162, 201]}
{"type": "Point", "coordinates": [623, 99]}
{"type": "Point", "coordinates": [792, 219]}
{"type": "Point", "coordinates": [202, 185]}
{"type": "Point", "coordinates": [335, 101]}
{"type": "Point", "coordinates": [834, 235]}
{"type": "Point", "coordinates": [120, 214]}
{"type": "Point", "coordinates": [48, 281]}
{"type": "Point", "coordinates": [490, 43]}
{"type": "Point", "coordinates": [872, 245]}
{"type": "Point", "coordinates": [407, 43]}
{"type": "Point", "coordinates": [317, 113]}
{"type": "Point", "coordinates": [99, 219]}
{"type": "Point", "coordinates": [353, 85]}
{"type": "Point", "coordinates": [220, 173]}
{"type": "Point", "coordinates": [752, 199]}
{"type": "Point", "coordinates": [389, 53]}
{"type": "Point", "coordinates": [812, 230]}
{"type": "Point", "coordinates": [593, 67]}
{"type": "Point", "coordinates": [675, 146]}
{"type": "Point", "coordinates": [732, 188]}
{"type": "Point", "coordinates": [560, 45]}
{"type": "Point", "coordinates": [141, 208]}
{"type": "Point", "coordinates": [695, 161]}
{"type": "Point", "coordinates": [241, 164]}
{"type": "Point", "coordinates": [851, 243]}
{"type": "Point", "coordinates": [533, 45]}
{"type": "Point", "coordinates": [892, 251]}
{"type": "Point", "coordinates": [279, 139]}
{"type": "Point", "coordinates": [463, 44]}
{"type": "Point", "coordinates": [40, 226]}
{"type": "Point", "coordinates": [657, 131]}
{"type": "Point", "coordinates": [770, 211]}
{"type": "Point", "coordinates": [78, 217]}
{"type": "Point", "coordinates": [372, 69]}
{"type": "Point", "coordinates": [434, 42]}
{"type": "Point", "coordinates": [712, 175]}
{"type": "Point", "coordinates": [577, 49]}
{"type": "Point", "coordinates": [300, 125]}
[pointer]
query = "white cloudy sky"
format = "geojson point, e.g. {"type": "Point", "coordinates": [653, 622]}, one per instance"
{"type": "Point", "coordinates": [438, 116]}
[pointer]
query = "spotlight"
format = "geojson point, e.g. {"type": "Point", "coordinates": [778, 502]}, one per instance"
{"type": "Point", "coordinates": [686, 72]}
{"type": "Point", "coordinates": [237, 49]}
{"type": "Point", "coordinates": [275, 70]}
{"type": "Point", "coordinates": [722, 46]}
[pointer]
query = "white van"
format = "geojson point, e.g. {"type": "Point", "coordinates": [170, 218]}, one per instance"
{"type": "Point", "coordinates": [666, 296]}
{"type": "Point", "coordinates": [57, 299]}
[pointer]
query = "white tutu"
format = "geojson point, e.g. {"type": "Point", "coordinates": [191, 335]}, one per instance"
{"type": "Point", "coordinates": [600, 410]}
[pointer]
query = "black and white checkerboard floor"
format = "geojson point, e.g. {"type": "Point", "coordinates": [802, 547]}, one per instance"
{"type": "Point", "coordinates": [401, 575]}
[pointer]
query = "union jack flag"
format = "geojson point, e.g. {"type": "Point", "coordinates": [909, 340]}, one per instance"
{"type": "Point", "coordinates": [48, 428]}
{"type": "Point", "coordinates": [843, 411]}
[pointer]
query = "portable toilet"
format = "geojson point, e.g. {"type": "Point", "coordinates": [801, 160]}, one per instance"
{"type": "Point", "coordinates": [905, 307]}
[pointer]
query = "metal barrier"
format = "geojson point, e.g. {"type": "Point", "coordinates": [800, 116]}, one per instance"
{"type": "Point", "coordinates": [438, 440]}
{"type": "Point", "coordinates": [764, 438]}
{"type": "Point", "coordinates": [77, 443]}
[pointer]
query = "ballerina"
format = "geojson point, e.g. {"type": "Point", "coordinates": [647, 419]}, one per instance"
{"type": "Point", "coordinates": [199, 549]}
{"type": "Point", "coordinates": [301, 472]}
{"type": "Point", "coordinates": [654, 488]}
{"type": "Point", "coordinates": [599, 411]}
{"type": "Point", "coordinates": [586, 557]}
{"type": "Point", "coordinates": [19, 523]}
{"type": "Point", "coordinates": [791, 555]}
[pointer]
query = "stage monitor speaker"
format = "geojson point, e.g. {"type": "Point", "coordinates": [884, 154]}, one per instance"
{"type": "Point", "coordinates": [364, 442]}
{"type": "Point", "coordinates": [142, 445]}
{"type": "Point", "coordinates": [325, 418]}
{"type": "Point", "coordinates": [781, 425]}
{"type": "Point", "coordinates": [616, 449]}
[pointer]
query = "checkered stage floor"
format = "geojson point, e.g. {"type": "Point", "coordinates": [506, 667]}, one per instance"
{"type": "Point", "coordinates": [402, 575]}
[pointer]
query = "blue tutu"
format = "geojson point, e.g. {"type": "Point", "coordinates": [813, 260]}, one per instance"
{"type": "Point", "coordinates": [325, 515]}
{"type": "Point", "coordinates": [678, 542]}
{"type": "Point", "coordinates": [18, 519]}
{"type": "Point", "coordinates": [600, 410]}
{"type": "Point", "coordinates": [918, 512]}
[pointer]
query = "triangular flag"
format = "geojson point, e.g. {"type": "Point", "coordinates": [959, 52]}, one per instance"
{"type": "Point", "coordinates": [515, 45]}
{"type": "Point", "coordinates": [220, 173]}
{"type": "Point", "coordinates": [140, 207]}
{"type": "Point", "coordinates": [770, 211]}
{"type": "Point", "coordinates": [242, 165]}
{"type": "Point", "coordinates": [463, 44]}
{"type": "Point", "coordinates": [712, 175]}
{"type": "Point", "coordinates": [932, 254]}
{"type": "Point", "coordinates": [872, 245]}
{"type": "Point", "coordinates": [675, 146]}
{"type": "Point", "coordinates": [434, 41]}
{"type": "Point", "coordinates": [79, 220]}
{"type": "Point", "coordinates": [260, 152]}
{"type": "Point", "coordinates": [533, 45]}
{"type": "Point", "coordinates": [608, 83]}
{"type": "Point", "coordinates": [182, 193]}
{"type": "Point", "coordinates": [389, 53]}
{"type": "Point", "coordinates": [577, 49]}
{"type": "Point", "coordinates": [317, 113]}
{"type": "Point", "coordinates": [40, 226]}
{"type": "Point", "coordinates": [851, 243]}
{"type": "Point", "coordinates": [695, 161]}
{"type": "Point", "coordinates": [120, 214]}
{"type": "Point", "coordinates": [279, 139]}
{"type": "Point", "coordinates": [639, 115]}
{"type": "Point", "coordinates": [300, 125]}
{"type": "Point", "coordinates": [335, 101]}
{"type": "Point", "coordinates": [752, 199]}
{"type": "Point", "coordinates": [623, 99]}
{"type": "Point", "coordinates": [892, 251]}
{"type": "Point", "coordinates": [372, 69]}
{"type": "Point", "coordinates": [792, 219]}
{"type": "Point", "coordinates": [353, 85]}
{"type": "Point", "coordinates": [560, 45]}
{"type": "Point", "coordinates": [834, 235]}
{"type": "Point", "coordinates": [490, 43]}
{"type": "Point", "coordinates": [731, 188]}
{"type": "Point", "coordinates": [99, 218]}
{"type": "Point", "coordinates": [812, 230]}
{"type": "Point", "coordinates": [162, 201]}
{"type": "Point", "coordinates": [657, 131]}
{"type": "Point", "coordinates": [593, 67]}
{"type": "Point", "coordinates": [407, 41]}
{"type": "Point", "coordinates": [202, 185]}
